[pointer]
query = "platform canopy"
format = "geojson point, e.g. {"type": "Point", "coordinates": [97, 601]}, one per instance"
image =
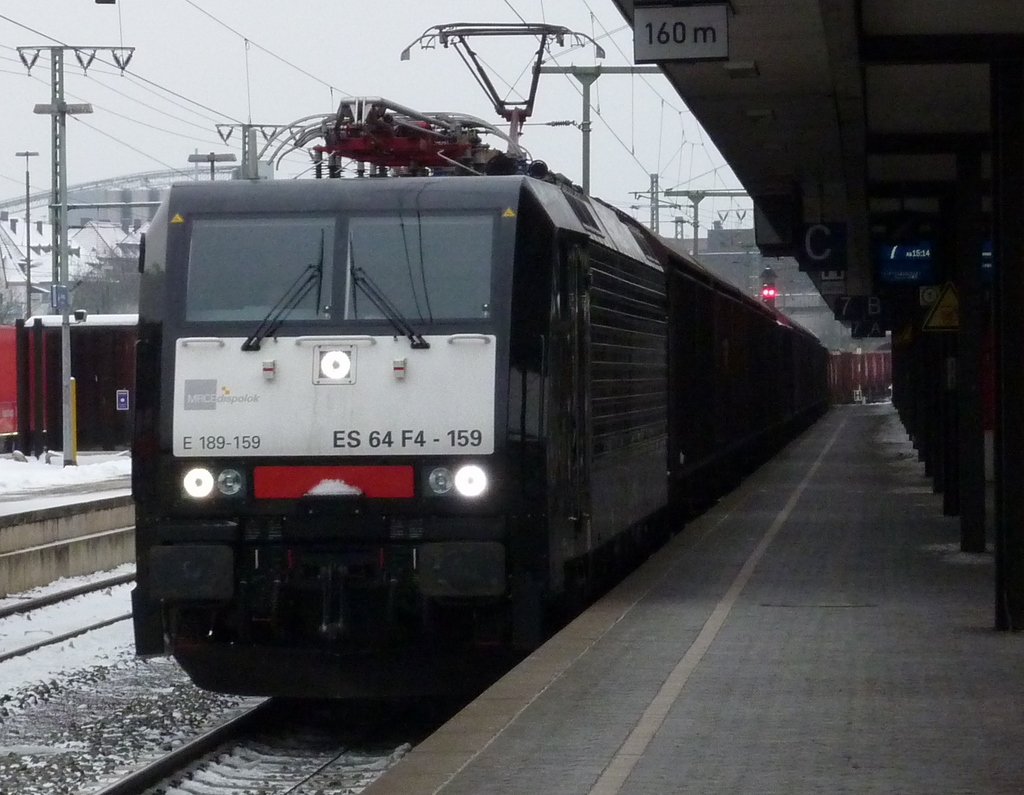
{"type": "Point", "coordinates": [835, 110]}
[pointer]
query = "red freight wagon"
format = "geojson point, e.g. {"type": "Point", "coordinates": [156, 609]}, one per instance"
{"type": "Point", "coordinates": [103, 366]}
{"type": "Point", "coordinates": [860, 377]}
{"type": "Point", "coordinates": [8, 388]}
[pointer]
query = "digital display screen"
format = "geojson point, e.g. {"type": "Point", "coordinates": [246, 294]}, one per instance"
{"type": "Point", "coordinates": [905, 263]}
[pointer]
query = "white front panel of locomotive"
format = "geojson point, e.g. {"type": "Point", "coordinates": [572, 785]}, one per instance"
{"type": "Point", "coordinates": [334, 396]}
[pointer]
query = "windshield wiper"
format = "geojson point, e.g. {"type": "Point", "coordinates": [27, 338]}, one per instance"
{"type": "Point", "coordinates": [310, 276]}
{"type": "Point", "coordinates": [386, 308]}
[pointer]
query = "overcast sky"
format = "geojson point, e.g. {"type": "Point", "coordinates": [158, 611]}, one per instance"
{"type": "Point", "coordinates": [198, 63]}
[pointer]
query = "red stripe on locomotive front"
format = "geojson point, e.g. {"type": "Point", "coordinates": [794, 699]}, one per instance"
{"type": "Point", "coordinates": [289, 482]}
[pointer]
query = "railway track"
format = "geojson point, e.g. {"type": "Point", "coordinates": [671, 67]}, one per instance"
{"type": "Point", "coordinates": [37, 603]}
{"type": "Point", "coordinates": [262, 751]}
{"type": "Point", "coordinates": [253, 752]}
{"type": "Point", "coordinates": [274, 748]}
{"type": "Point", "coordinates": [184, 758]}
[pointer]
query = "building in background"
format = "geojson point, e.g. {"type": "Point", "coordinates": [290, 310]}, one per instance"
{"type": "Point", "coordinates": [102, 266]}
{"type": "Point", "coordinates": [105, 222]}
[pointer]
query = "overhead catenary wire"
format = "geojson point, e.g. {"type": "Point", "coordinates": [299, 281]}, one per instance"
{"type": "Point", "coordinates": [127, 72]}
{"type": "Point", "coordinates": [106, 86]}
{"type": "Point", "coordinates": [259, 47]}
{"type": "Point", "coordinates": [106, 110]}
{"type": "Point", "coordinates": [146, 86]}
{"type": "Point", "coordinates": [29, 29]}
{"type": "Point", "coordinates": [615, 44]}
{"type": "Point", "coordinates": [135, 77]}
{"type": "Point", "coordinates": [603, 121]}
{"type": "Point", "coordinates": [173, 93]}
{"type": "Point", "coordinates": [630, 149]}
{"type": "Point", "coordinates": [158, 110]}
{"type": "Point", "coordinates": [514, 11]}
{"type": "Point", "coordinates": [235, 32]}
{"type": "Point", "coordinates": [129, 146]}
{"type": "Point", "coordinates": [596, 107]}
{"type": "Point", "coordinates": [647, 81]}
{"type": "Point", "coordinates": [186, 136]}
{"type": "Point", "coordinates": [635, 141]}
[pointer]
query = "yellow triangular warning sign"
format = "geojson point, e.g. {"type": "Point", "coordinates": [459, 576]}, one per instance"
{"type": "Point", "coordinates": [508, 213]}
{"type": "Point", "coordinates": [945, 313]}
{"type": "Point", "coordinates": [177, 219]}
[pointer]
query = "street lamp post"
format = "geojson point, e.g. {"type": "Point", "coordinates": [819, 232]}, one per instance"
{"type": "Point", "coordinates": [211, 158]}
{"type": "Point", "coordinates": [28, 234]}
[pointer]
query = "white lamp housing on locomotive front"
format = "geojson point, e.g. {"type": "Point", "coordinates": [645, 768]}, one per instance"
{"type": "Point", "coordinates": [335, 365]}
{"type": "Point", "coordinates": [199, 482]}
{"type": "Point", "coordinates": [468, 480]}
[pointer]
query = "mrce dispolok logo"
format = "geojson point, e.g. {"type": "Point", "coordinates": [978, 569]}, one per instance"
{"type": "Point", "coordinates": [203, 394]}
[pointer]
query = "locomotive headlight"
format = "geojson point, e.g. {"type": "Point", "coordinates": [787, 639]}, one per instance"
{"type": "Point", "coordinates": [229, 482]}
{"type": "Point", "coordinates": [198, 483]}
{"type": "Point", "coordinates": [335, 365]}
{"type": "Point", "coordinates": [440, 480]}
{"type": "Point", "coordinates": [470, 481]}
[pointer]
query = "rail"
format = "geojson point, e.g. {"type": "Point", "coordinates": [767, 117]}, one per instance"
{"type": "Point", "coordinates": [139, 781]}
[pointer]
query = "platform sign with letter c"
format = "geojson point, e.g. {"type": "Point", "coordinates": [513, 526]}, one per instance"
{"type": "Point", "coordinates": [822, 247]}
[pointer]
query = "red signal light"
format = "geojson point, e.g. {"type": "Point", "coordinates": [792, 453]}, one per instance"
{"type": "Point", "coordinates": [768, 292]}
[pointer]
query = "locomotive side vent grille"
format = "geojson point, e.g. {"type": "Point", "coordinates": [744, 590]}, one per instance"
{"type": "Point", "coordinates": [644, 243]}
{"type": "Point", "coordinates": [583, 212]}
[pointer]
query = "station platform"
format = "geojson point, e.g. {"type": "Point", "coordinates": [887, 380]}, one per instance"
{"type": "Point", "coordinates": [817, 631]}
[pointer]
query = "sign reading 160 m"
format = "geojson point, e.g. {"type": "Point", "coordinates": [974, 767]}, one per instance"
{"type": "Point", "coordinates": [680, 33]}
{"type": "Point", "coordinates": [663, 36]}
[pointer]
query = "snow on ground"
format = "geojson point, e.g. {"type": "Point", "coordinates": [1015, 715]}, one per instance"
{"type": "Point", "coordinates": [34, 484]}
{"type": "Point", "coordinates": [11, 504]}
{"type": "Point", "coordinates": [85, 709]}
{"type": "Point", "coordinates": [39, 475]}
{"type": "Point", "coordinates": [103, 647]}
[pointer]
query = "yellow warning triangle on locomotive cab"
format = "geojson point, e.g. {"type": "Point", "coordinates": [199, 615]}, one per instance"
{"type": "Point", "coordinates": [177, 219]}
{"type": "Point", "coordinates": [509, 213]}
{"type": "Point", "coordinates": [945, 313]}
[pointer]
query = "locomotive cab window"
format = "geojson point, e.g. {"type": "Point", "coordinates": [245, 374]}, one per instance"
{"type": "Point", "coordinates": [426, 266]}
{"type": "Point", "coordinates": [241, 269]}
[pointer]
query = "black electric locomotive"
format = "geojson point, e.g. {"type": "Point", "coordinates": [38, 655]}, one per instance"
{"type": "Point", "coordinates": [387, 427]}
